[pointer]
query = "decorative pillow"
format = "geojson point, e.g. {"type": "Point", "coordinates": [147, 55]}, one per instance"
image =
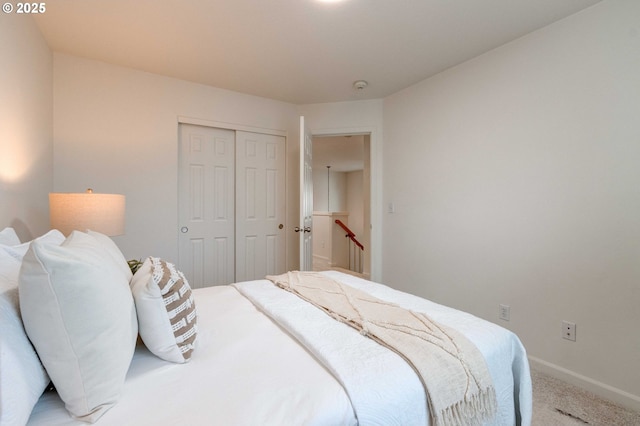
{"type": "Point", "coordinates": [11, 255]}
{"type": "Point", "coordinates": [114, 252]}
{"type": "Point", "coordinates": [79, 314]}
{"type": "Point", "coordinates": [22, 376]}
{"type": "Point", "coordinates": [9, 237]}
{"type": "Point", "coordinates": [166, 311]}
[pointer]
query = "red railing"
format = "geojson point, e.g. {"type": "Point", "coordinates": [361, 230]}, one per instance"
{"type": "Point", "coordinates": [355, 248]}
{"type": "Point", "coordinates": [350, 234]}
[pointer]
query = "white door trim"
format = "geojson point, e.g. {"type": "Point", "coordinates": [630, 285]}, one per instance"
{"type": "Point", "coordinates": [230, 126]}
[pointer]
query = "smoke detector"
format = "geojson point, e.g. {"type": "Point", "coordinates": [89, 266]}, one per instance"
{"type": "Point", "coordinates": [360, 84]}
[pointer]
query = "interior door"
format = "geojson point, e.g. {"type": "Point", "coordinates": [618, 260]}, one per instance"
{"type": "Point", "coordinates": [260, 205]}
{"type": "Point", "coordinates": [206, 210]}
{"type": "Point", "coordinates": [306, 198]}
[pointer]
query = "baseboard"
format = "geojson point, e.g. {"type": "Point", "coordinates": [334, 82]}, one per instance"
{"type": "Point", "coordinates": [603, 390]}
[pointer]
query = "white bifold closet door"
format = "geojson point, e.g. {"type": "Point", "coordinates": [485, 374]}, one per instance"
{"type": "Point", "coordinates": [231, 205]}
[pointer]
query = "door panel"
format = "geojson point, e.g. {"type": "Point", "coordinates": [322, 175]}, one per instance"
{"type": "Point", "coordinates": [306, 198]}
{"type": "Point", "coordinates": [231, 205]}
{"type": "Point", "coordinates": [260, 205]}
{"type": "Point", "coordinates": [206, 205]}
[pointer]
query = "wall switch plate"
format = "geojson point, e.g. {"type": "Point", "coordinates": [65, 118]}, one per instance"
{"type": "Point", "coordinates": [569, 330]}
{"type": "Point", "coordinates": [505, 312]}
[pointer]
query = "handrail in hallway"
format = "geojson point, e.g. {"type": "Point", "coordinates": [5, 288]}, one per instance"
{"type": "Point", "coordinates": [350, 234]}
{"type": "Point", "coordinates": [355, 248]}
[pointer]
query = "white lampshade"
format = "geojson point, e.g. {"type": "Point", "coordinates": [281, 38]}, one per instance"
{"type": "Point", "coordinates": [87, 211]}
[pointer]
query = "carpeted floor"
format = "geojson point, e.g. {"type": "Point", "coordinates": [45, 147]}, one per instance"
{"type": "Point", "coordinates": [556, 403]}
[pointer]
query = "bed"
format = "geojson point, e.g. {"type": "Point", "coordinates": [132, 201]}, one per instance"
{"type": "Point", "coordinates": [261, 356]}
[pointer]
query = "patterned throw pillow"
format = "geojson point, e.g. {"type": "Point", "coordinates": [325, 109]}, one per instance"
{"type": "Point", "coordinates": [167, 316]}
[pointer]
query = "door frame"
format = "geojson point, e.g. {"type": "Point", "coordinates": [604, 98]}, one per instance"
{"type": "Point", "coordinates": [232, 126]}
{"type": "Point", "coordinates": [375, 196]}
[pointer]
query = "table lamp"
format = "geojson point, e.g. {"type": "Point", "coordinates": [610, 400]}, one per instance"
{"type": "Point", "coordinates": [102, 213]}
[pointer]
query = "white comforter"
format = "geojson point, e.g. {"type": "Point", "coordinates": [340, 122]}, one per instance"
{"type": "Point", "coordinates": [247, 371]}
{"type": "Point", "coordinates": [383, 388]}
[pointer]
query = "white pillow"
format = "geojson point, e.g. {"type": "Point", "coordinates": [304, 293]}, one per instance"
{"type": "Point", "coordinates": [18, 251]}
{"type": "Point", "coordinates": [166, 311]}
{"type": "Point", "coordinates": [9, 237]}
{"type": "Point", "coordinates": [79, 313]}
{"type": "Point", "coordinates": [114, 252]}
{"type": "Point", "coordinates": [22, 376]}
{"type": "Point", "coordinates": [11, 255]}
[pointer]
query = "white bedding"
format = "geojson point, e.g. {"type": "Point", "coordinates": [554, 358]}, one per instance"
{"type": "Point", "coordinates": [390, 392]}
{"type": "Point", "coordinates": [246, 370]}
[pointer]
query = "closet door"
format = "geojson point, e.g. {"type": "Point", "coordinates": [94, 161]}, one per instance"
{"type": "Point", "coordinates": [206, 213]}
{"type": "Point", "coordinates": [260, 205]}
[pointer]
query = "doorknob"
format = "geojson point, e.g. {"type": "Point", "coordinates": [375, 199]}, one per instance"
{"type": "Point", "coordinates": [280, 226]}
{"type": "Point", "coordinates": [297, 229]}
{"type": "Point", "coordinates": [184, 229]}
{"type": "Point", "coordinates": [307, 229]}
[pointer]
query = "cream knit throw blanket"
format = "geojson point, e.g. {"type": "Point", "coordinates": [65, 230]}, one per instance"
{"type": "Point", "coordinates": [452, 370]}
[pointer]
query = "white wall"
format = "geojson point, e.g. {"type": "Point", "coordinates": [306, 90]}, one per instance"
{"type": "Point", "coordinates": [330, 246]}
{"type": "Point", "coordinates": [116, 130]}
{"type": "Point", "coordinates": [516, 179]}
{"type": "Point", "coordinates": [26, 126]}
{"type": "Point", "coordinates": [336, 199]}
{"type": "Point", "coordinates": [321, 241]}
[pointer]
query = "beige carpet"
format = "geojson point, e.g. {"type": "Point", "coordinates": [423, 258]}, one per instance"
{"type": "Point", "coordinates": [556, 403]}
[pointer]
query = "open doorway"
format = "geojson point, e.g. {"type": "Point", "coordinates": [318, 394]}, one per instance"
{"type": "Point", "coordinates": [341, 192]}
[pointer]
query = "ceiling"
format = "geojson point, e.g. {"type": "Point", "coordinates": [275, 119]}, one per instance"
{"type": "Point", "coordinates": [342, 153]}
{"type": "Point", "coordinates": [298, 51]}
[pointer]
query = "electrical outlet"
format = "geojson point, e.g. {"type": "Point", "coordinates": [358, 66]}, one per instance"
{"type": "Point", "coordinates": [505, 312]}
{"type": "Point", "coordinates": [569, 330]}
